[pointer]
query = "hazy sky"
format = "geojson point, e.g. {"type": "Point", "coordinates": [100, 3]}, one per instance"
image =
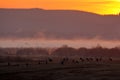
{"type": "Point", "coordinates": [36, 27]}
{"type": "Point", "coordinates": [96, 6]}
{"type": "Point", "coordinates": [78, 29]}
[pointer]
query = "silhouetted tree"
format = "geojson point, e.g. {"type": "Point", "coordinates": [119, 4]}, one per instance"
{"type": "Point", "coordinates": [32, 51]}
{"type": "Point", "coordinates": [65, 51]}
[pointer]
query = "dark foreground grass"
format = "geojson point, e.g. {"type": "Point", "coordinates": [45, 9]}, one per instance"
{"type": "Point", "coordinates": [81, 71]}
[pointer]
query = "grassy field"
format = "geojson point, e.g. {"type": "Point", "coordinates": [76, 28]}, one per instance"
{"type": "Point", "coordinates": [56, 71]}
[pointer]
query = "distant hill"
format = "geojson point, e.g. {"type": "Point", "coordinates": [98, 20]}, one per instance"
{"type": "Point", "coordinates": [60, 24]}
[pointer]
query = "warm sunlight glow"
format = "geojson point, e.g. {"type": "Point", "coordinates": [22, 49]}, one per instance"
{"type": "Point", "coordinates": [94, 6]}
{"type": "Point", "coordinates": [58, 43]}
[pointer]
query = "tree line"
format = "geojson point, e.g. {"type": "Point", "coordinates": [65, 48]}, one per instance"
{"type": "Point", "coordinates": [62, 51]}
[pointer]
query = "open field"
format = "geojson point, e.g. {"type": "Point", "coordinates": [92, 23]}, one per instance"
{"type": "Point", "coordinates": [56, 71]}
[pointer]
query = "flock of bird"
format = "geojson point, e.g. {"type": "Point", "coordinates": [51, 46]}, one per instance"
{"type": "Point", "coordinates": [64, 61]}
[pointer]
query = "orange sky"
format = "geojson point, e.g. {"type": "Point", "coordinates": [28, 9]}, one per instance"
{"type": "Point", "coordinates": [96, 6]}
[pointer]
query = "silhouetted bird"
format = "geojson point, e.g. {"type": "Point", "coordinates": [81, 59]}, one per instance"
{"type": "Point", "coordinates": [100, 59]}
{"type": "Point", "coordinates": [62, 62]}
{"type": "Point", "coordinates": [87, 59]}
{"type": "Point", "coordinates": [77, 62]}
{"type": "Point", "coordinates": [67, 59]}
{"type": "Point", "coordinates": [110, 59]}
{"type": "Point", "coordinates": [50, 60]}
{"type": "Point", "coordinates": [46, 62]}
{"type": "Point", "coordinates": [26, 64]}
{"type": "Point", "coordinates": [39, 63]}
{"type": "Point", "coordinates": [8, 64]}
{"type": "Point", "coordinates": [64, 59]}
{"type": "Point", "coordinates": [91, 59]}
{"type": "Point", "coordinates": [82, 59]}
{"type": "Point", "coordinates": [97, 59]}
{"type": "Point", "coordinates": [73, 61]}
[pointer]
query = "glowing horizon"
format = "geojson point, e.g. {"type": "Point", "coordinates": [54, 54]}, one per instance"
{"type": "Point", "coordinates": [94, 6]}
{"type": "Point", "coordinates": [54, 43]}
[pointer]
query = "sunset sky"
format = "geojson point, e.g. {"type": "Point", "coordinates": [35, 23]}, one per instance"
{"type": "Point", "coordinates": [95, 6]}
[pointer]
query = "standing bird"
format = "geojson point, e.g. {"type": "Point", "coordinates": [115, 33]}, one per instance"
{"type": "Point", "coordinates": [82, 59]}
{"type": "Point", "coordinates": [110, 59]}
{"type": "Point", "coordinates": [50, 60]}
{"type": "Point", "coordinates": [26, 64]}
{"type": "Point", "coordinates": [62, 62]}
{"type": "Point", "coordinates": [97, 59]}
{"type": "Point", "coordinates": [8, 64]}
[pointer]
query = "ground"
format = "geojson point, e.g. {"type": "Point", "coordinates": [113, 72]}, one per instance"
{"type": "Point", "coordinates": [81, 71]}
